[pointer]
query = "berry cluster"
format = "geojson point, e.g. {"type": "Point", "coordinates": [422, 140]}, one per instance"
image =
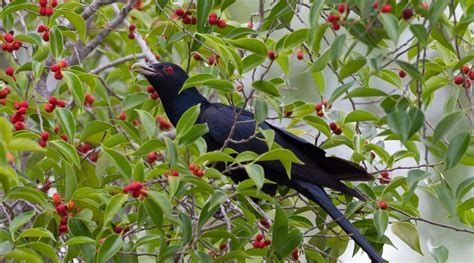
{"type": "Point", "coordinates": [172, 173]}
{"type": "Point", "coordinates": [9, 43]}
{"type": "Point", "coordinates": [121, 229]}
{"type": "Point", "coordinates": [10, 71]}
{"type": "Point", "coordinates": [163, 122]}
{"type": "Point", "coordinates": [214, 20]}
{"type": "Point", "coordinates": [386, 179]}
{"type": "Point", "coordinates": [18, 117]}
{"type": "Point", "coordinates": [46, 10]}
{"type": "Point", "coordinates": [52, 103]}
{"type": "Point", "coordinates": [194, 169]}
{"type": "Point", "coordinates": [152, 157]}
{"type": "Point", "coordinates": [56, 68]}
{"type": "Point", "coordinates": [44, 139]}
{"type": "Point", "coordinates": [464, 77]}
{"type": "Point", "coordinates": [153, 94]}
{"type": "Point", "coordinates": [131, 31]}
{"type": "Point", "coordinates": [185, 16]}
{"type": "Point", "coordinates": [260, 243]}
{"type": "Point", "coordinates": [385, 8]}
{"type": "Point", "coordinates": [3, 95]}
{"type": "Point", "coordinates": [213, 60]}
{"type": "Point", "coordinates": [334, 19]}
{"type": "Point", "coordinates": [319, 108]}
{"type": "Point", "coordinates": [136, 188]}
{"type": "Point", "coordinates": [65, 211]}
{"type": "Point", "coordinates": [335, 129]}
{"type": "Point", "coordinates": [89, 100]}
{"type": "Point", "coordinates": [45, 30]}
{"type": "Point", "coordinates": [84, 148]}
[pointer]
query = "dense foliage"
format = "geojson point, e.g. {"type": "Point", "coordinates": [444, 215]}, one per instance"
{"type": "Point", "coordinates": [90, 167]}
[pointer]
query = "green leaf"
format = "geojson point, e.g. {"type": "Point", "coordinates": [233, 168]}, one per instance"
{"type": "Point", "coordinates": [256, 173]}
{"type": "Point", "coordinates": [439, 253]}
{"type": "Point", "coordinates": [6, 130]}
{"type": "Point", "coordinates": [215, 156]}
{"type": "Point", "coordinates": [208, 80]}
{"type": "Point", "coordinates": [446, 124]}
{"type": "Point", "coordinates": [71, 181]}
{"type": "Point", "coordinates": [414, 176]}
{"type": "Point", "coordinates": [261, 110]}
{"type": "Point", "coordinates": [68, 151]}
{"type": "Point", "coordinates": [251, 44]}
{"type": "Point", "coordinates": [322, 61]}
{"type": "Point", "coordinates": [133, 101]}
{"type": "Point", "coordinates": [203, 9]}
{"type": "Point", "coordinates": [23, 144]}
{"type": "Point", "coordinates": [456, 149]}
{"type": "Point", "coordinates": [23, 255]}
{"type": "Point", "coordinates": [78, 240]}
{"type": "Point", "coordinates": [44, 249]}
{"type": "Point", "coordinates": [36, 232]}
{"type": "Point", "coordinates": [436, 10]}
{"type": "Point", "coordinates": [75, 87]}
{"type": "Point", "coordinates": [148, 123]}
{"type": "Point", "coordinates": [119, 162]}
{"type": "Point", "coordinates": [110, 247]}
{"type": "Point", "coordinates": [267, 87]}
{"type": "Point", "coordinates": [284, 242]}
{"type": "Point", "coordinates": [336, 48]}
{"type": "Point", "coordinates": [20, 220]}
{"type": "Point", "coordinates": [94, 127]}
{"type": "Point", "coordinates": [56, 42]}
{"type": "Point", "coordinates": [67, 122]}
{"type": "Point", "coordinates": [410, 69]}
{"type": "Point", "coordinates": [408, 234]}
{"type": "Point", "coordinates": [29, 194]}
{"type": "Point", "coordinates": [339, 91]}
{"type": "Point", "coordinates": [390, 25]}
{"type": "Point", "coordinates": [295, 38]}
{"type": "Point", "coordinates": [114, 206]}
{"type": "Point", "coordinates": [366, 92]}
{"type": "Point", "coordinates": [187, 120]}
{"type": "Point", "coordinates": [381, 222]}
{"type": "Point", "coordinates": [419, 31]}
{"type": "Point", "coordinates": [350, 67]}
{"type": "Point", "coordinates": [76, 20]}
{"type": "Point", "coordinates": [360, 115]}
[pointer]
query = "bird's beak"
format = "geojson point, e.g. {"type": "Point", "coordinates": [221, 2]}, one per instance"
{"type": "Point", "coordinates": [144, 69]}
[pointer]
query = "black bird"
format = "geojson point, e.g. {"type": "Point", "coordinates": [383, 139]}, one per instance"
{"type": "Point", "coordinates": [318, 171]}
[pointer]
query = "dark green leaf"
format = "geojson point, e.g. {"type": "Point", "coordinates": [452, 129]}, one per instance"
{"type": "Point", "coordinates": [456, 149]}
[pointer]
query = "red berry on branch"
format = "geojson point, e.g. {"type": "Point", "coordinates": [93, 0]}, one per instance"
{"type": "Point", "coordinates": [179, 12]}
{"type": "Point", "coordinates": [193, 20]}
{"type": "Point", "coordinates": [212, 19]}
{"type": "Point", "coordinates": [43, 3]}
{"type": "Point", "coordinates": [187, 20]}
{"type": "Point", "coordinates": [132, 27]}
{"type": "Point", "coordinates": [154, 96]}
{"type": "Point", "coordinates": [8, 37]}
{"type": "Point", "coordinates": [63, 220]}
{"type": "Point", "coordinates": [19, 126]}
{"type": "Point", "coordinates": [89, 99]}
{"type": "Point", "coordinates": [299, 55]}
{"type": "Point", "coordinates": [342, 8]}
{"type": "Point", "coordinates": [61, 103]}
{"type": "Point", "coordinates": [471, 75]}
{"type": "Point", "coordinates": [46, 36]}
{"type": "Point", "coordinates": [465, 69]}
{"type": "Point", "coordinates": [272, 55]}
{"type": "Point", "coordinates": [10, 71]}
{"type": "Point", "coordinates": [335, 26]}
{"type": "Point", "coordinates": [42, 11]}
{"type": "Point", "coordinates": [53, 100]}
{"type": "Point", "coordinates": [318, 107]}
{"type": "Point", "coordinates": [376, 4]}
{"type": "Point", "coordinates": [122, 116]}
{"type": "Point", "coordinates": [55, 68]}
{"type": "Point", "coordinates": [58, 75]}
{"type": "Point", "coordinates": [150, 89]}
{"type": "Point", "coordinates": [61, 209]}
{"type": "Point", "coordinates": [152, 157]}
{"type": "Point", "coordinates": [71, 205]}
{"type": "Point", "coordinates": [64, 137]}
{"type": "Point", "coordinates": [196, 56]}
{"type": "Point", "coordinates": [49, 108]}
{"type": "Point", "coordinates": [221, 23]}
{"type": "Point", "coordinates": [295, 254]}
{"type": "Point", "coordinates": [62, 229]}
{"type": "Point", "coordinates": [386, 8]}
{"type": "Point", "coordinates": [333, 126]}
{"type": "Point", "coordinates": [382, 205]}
{"type": "Point", "coordinates": [49, 11]}
{"type": "Point", "coordinates": [259, 237]}
{"type": "Point", "coordinates": [338, 131]}
{"type": "Point", "coordinates": [63, 63]}
{"type": "Point", "coordinates": [402, 73]}
{"type": "Point", "coordinates": [407, 13]}
{"type": "Point", "coordinates": [131, 35]}
{"type": "Point", "coordinates": [385, 174]}
{"type": "Point", "coordinates": [54, 3]}
{"type": "Point", "coordinates": [45, 135]}
{"type": "Point", "coordinates": [333, 18]}
{"type": "Point", "coordinates": [458, 80]}
{"type": "Point", "coordinates": [222, 246]}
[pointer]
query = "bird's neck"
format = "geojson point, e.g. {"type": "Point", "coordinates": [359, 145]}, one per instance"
{"type": "Point", "coordinates": [176, 104]}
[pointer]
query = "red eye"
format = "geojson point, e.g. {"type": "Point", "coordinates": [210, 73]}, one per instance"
{"type": "Point", "coordinates": [169, 70]}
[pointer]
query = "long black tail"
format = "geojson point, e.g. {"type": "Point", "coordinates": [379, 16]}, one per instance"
{"type": "Point", "coordinates": [318, 195]}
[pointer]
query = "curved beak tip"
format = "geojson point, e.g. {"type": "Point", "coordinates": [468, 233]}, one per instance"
{"type": "Point", "coordinates": [143, 68]}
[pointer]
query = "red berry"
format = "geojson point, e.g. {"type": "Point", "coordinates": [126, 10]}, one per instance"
{"type": "Point", "coordinates": [333, 126]}
{"type": "Point", "coordinates": [22, 110]}
{"type": "Point", "coordinates": [250, 25]}
{"type": "Point", "coordinates": [55, 68]}
{"type": "Point", "coordinates": [402, 73]}
{"type": "Point", "coordinates": [471, 75]}
{"type": "Point", "coordinates": [53, 100]}
{"type": "Point", "coordinates": [425, 5]}
{"type": "Point", "coordinates": [45, 135]}
{"type": "Point", "coordinates": [259, 237]}
{"type": "Point", "coordinates": [58, 75]}
{"type": "Point", "coordinates": [175, 173]}
{"type": "Point", "coordinates": [89, 99]}
{"type": "Point", "coordinates": [299, 55]}
{"type": "Point", "coordinates": [42, 11]}
{"type": "Point", "coordinates": [62, 228]}
{"type": "Point", "coordinates": [196, 56]}
{"type": "Point", "coordinates": [338, 131]}
{"type": "Point", "coordinates": [407, 13]}
{"type": "Point", "coordinates": [194, 20]}
{"type": "Point", "coordinates": [17, 45]}
{"type": "Point", "coordinates": [199, 173]}
{"type": "Point", "coordinates": [318, 107]}
{"type": "Point", "coordinates": [335, 26]}
{"type": "Point", "coordinates": [131, 35]}
{"type": "Point", "coordinates": [61, 209]}
{"type": "Point", "coordinates": [212, 61]}
{"type": "Point", "coordinates": [24, 104]}
{"type": "Point", "coordinates": [150, 89]}
{"type": "Point", "coordinates": [64, 137]}
{"type": "Point", "coordinates": [385, 174]}
{"type": "Point", "coordinates": [154, 96]}
{"type": "Point", "coordinates": [152, 157]}
{"type": "Point", "coordinates": [320, 114]}
{"type": "Point", "coordinates": [295, 254]}
{"type": "Point", "coordinates": [333, 18]}
{"type": "Point", "coordinates": [43, 3]}
{"type": "Point", "coordinates": [62, 63]}
{"type": "Point", "coordinates": [46, 36]}
{"type": "Point", "coordinates": [57, 129]}
{"type": "Point", "coordinates": [383, 205]}
{"type": "Point", "coordinates": [49, 11]}
{"type": "Point", "coordinates": [42, 28]}
{"type": "Point", "coordinates": [212, 20]}
{"type": "Point", "coordinates": [187, 20]}
{"type": "Point", "coordinates": [214, 15]}
{"type": "Point", "coordinates": [3, 102]}
{"type": "Point", "coordinates": [458, 80]}
{"type": "Point", "coordinates": [61, 103]}
{"type": "Point", "coordinates": [136, 186]}
{"type": "Point", "coordinates": [342, 8]}
{"type": "Point", "coordinates": [56, 198]}
{"type": "Point", "coordinates": [63, 220]}
{"type": "Point", "coordinates": [467, 83]}
{"type": "Point", "coordinates": [132, 27]}
{"type": "Point", "coordinates": [71, 205]}
{"type": "Point", "coordinates": [465, 69]}
{"type": "Point", "coordinates": [19, 126]}
{"type": "Point", "coordinates": [8, 37]}
{"type": "Point", "coordinates": [10, 71]}
{"type": "Point", "coordinates": [118, 229]}
{"type": "Point", "coordinates": [122, 116]}
{"type": "Point", "coordinates": [54, 3]}
{"type": "Point", "coordinates": [221, 23]}
{"type": "Point", "coordinates": [179, 12]}
{"type": "Point", "coordinates": [376, 4]}
{"type": "Point", "coordinates": [192, 167]}
{"type": "Point", "coordinates": [267, 242]}
{"type": "Point", "coordinates": [136, 194]}
{"type": "Point", "coordinates": [386, 8]}
{"type": "Point", "coordinates": [222, 246]}
{"type": "Point", "coordinates": [271, 55]}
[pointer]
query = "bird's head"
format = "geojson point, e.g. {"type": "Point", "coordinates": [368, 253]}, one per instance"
{"type": "Point", "coordinates": [165, 77]}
